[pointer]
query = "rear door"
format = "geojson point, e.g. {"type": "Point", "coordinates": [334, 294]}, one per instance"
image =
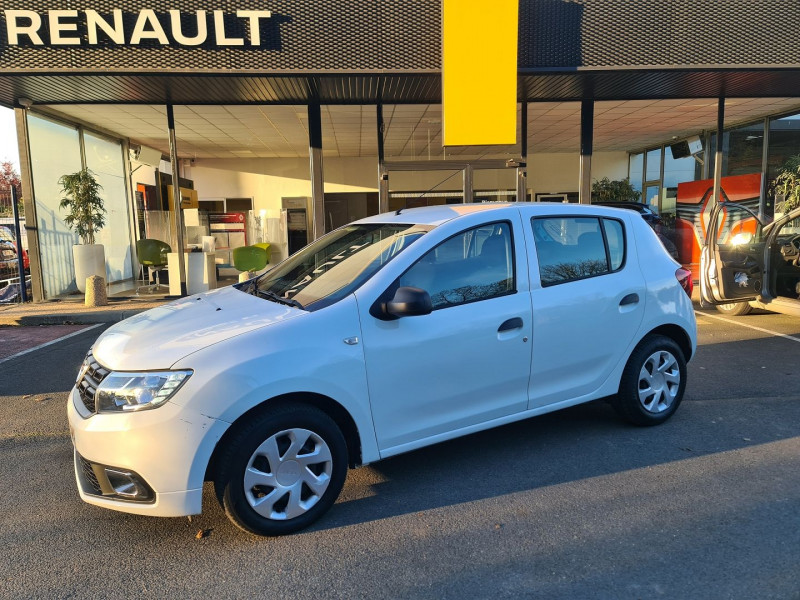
{"type": "Point", "coordinates": [588, 294]}
{"type": "Point", "coordinates": [732, 263]}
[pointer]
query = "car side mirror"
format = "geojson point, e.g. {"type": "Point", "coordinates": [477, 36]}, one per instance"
{"type": "Point", "coordinates": [409, 302]}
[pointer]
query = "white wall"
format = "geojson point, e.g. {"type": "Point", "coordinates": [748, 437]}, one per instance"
{"type": "Point", "coordinates": [560, 172]}
{"type": "Point", "coordinates": [269, 180]}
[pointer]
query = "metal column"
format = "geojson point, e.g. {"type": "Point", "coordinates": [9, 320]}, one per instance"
{"type": "Point", "coordinates": [522, 169]}
{"type": "Point", "coordinates": [718, 154]}
{"type": "Point", "coordinates": [383, 174]}
{"type": "Point", "coordinates": [176, 197]}
{"type": "Point", "coordinates": [587, 130]}
{"type": "Point", "coordinates": [468, 195]}
{"type": "Point", "coordinates": [31, 230]}
{"type": "Point", "coordinates": [315, 158]}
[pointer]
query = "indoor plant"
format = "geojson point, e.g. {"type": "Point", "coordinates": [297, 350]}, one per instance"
{"type": "Point", "coordinates": [85, 216]}
{"type": "Point", "coordinates": [787, 184]}
{"type": "Point", "coordinates": [620, 190]}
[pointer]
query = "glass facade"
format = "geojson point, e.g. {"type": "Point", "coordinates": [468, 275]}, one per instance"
{"type": "Point", "coordinates": [784, 141]}
{"type": "Point", "coordinates": [55, 238]}
{"type": "Point", "coordinates": [76, 149]}
{"type": "Point", "coordinates": [104, 159]}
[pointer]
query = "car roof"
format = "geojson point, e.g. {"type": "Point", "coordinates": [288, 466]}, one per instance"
{"type": "Point", "coordinates": [436, 215]}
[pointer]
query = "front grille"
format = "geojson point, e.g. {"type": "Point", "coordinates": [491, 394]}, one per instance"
{"type": "Point", "coordinates": [89, 479]}
{"type": "Point", "coordinates": [93, 375]}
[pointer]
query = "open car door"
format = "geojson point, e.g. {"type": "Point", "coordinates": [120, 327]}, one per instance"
{"type": "Point", "coordinates": [783, 256]}
{"type": "Point", "coordinates": [732, 263]}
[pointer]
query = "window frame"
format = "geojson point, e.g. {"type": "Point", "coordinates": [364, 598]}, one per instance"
{"type": "Point", "coordinates": [392, 289]}
{"type": "Point", "coordinates": [601, 221]}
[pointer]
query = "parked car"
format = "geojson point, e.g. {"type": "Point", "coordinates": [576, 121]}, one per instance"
{"type": "Point", "coordinates": [389, 334]}
{"type": "Point", "coordinates": [9, 265]}
{"type": "Point", "coordinates": [652, 218]}
{"type": "Point", "coordinates": [750, 261]}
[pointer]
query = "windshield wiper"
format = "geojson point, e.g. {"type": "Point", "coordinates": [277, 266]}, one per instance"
{"type": "Point", "coordinates": [276, 298]}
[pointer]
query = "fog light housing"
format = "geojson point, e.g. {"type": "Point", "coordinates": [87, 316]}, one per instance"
{"type": "Point", "coordinates": [128, 485]}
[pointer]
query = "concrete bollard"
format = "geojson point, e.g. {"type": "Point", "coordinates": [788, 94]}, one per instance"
{"type": "Point", "coordinates": [96, 291]}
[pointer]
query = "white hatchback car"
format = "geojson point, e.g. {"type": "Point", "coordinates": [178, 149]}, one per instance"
{"type": "Point", "coordinates": [389, 334]}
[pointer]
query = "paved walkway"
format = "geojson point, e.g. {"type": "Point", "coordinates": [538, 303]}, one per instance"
{"type": "Point", "coordinates": [75, 311]}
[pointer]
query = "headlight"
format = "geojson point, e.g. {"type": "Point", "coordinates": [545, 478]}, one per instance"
{"type": "Point", "coordinates": [137, 391]}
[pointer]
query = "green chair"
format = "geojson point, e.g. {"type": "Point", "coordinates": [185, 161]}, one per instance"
{"type": "Point", "coordinates": [266, 246]}
{"type": "Point", "coordinates": [153, 255]}
{"type": "Point", "coordinates": [249, 259]}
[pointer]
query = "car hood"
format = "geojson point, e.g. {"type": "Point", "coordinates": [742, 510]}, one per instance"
{"type": "Point", "coordinates": [158, 338]}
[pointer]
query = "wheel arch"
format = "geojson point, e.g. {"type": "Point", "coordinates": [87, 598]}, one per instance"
{"type": "Point", "coordinates": [677, 334]}
{"type": "Point", "coordinates": [328, 405]}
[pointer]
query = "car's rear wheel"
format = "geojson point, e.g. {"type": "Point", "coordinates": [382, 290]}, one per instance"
{"type": "Point", "coordinates": [282, 471]}
{"type": "Point", "coordinates": [734, 309]}
{"type": "Point", "coordinates": [652, 383]}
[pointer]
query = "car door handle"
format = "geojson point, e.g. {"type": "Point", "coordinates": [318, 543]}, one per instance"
{"type": "Point", "coordinates": [629, 299]}
{"type": "Point", "coordinates": [514, 323]}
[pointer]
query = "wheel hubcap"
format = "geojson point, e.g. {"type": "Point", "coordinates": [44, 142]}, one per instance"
{"type": "Point", "coordinates": [659, 381]}
{"type": "Point", "coordinates": [288, 474]}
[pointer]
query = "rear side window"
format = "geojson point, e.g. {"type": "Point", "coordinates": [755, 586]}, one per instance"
{"type": "Point", "coordinates": [572, 248]}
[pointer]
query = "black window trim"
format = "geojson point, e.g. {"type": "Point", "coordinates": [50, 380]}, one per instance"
{"type": "Point", "coordinates": [601, 219]}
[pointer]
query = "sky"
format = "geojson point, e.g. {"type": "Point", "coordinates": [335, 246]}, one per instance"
{"type": "Point", "coordinates": [8, 137]}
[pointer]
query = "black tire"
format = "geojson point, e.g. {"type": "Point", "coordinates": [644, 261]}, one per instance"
{"type": "Point", "coordinates": [734, 309]}
{"type": "Point", "coordinates": [631, 402]}
{"type": "Point", "coordinates": [281, 425]}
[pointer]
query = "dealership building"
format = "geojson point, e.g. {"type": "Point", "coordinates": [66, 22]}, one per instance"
{"type": "Point", "coordinates": [285, 119]}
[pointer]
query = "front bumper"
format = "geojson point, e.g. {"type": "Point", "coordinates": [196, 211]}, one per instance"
{"type": "Point", "coordinates": [167, 447]}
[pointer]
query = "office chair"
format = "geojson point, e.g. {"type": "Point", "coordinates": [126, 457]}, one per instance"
{"type": "Point", "coordinates": [153, 255]}
{"type": "Point", "coordinates": [249, 259]}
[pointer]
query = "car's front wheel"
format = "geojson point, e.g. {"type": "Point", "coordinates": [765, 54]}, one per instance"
{"type": "Point", "coordinates": [653, 382]}
{"type": "Point", "coordinates": [282, 471]}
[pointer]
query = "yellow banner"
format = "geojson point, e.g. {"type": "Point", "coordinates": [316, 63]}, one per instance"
{"type": "Point", "coordinates": [479, 72]}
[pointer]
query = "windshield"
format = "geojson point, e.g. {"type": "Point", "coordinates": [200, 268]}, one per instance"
{"type": "Point", "coordinates": [335, 265]}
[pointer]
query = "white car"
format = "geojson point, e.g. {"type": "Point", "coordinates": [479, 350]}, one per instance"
{"type": "Point", "coordinates": [389, 334]}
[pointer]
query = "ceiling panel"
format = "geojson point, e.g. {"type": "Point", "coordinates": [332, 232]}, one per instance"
{"type": "Point", "coordinates": [413, 131]}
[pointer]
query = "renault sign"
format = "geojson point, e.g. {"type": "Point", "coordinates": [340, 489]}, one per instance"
{"type": "Point", "coordinates": [69, 27]}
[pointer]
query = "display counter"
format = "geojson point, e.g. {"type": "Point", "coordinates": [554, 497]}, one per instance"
{"type": "Point", "coordinates": [201, 274]}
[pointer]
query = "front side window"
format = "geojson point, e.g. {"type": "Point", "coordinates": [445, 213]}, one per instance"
{"type": "Point", "coordinates": [477, 264]}
{"type": "Point", "coordinates": [334, 266]}
{"type": "Point", "coordinates": [571, 248]}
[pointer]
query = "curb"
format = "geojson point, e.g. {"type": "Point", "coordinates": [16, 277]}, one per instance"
{"type": "Point", "coordinates": [109, 316]}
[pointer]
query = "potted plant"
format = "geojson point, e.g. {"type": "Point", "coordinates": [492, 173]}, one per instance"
{"type": "Point", "coordinates": [787, 185]}
{"type": "Point", "coordinates": [85, 216]}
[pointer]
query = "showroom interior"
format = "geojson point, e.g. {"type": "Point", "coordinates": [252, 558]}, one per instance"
{"type": "Point", "coordinates": [281, 152]}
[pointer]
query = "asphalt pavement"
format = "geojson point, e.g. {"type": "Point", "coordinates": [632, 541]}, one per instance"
{"type": "Point", "coordinates": [575, 504]}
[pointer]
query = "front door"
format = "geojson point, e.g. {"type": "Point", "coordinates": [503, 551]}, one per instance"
{"type": "Point", "coordinates": [783, 256]}
{"type": "Point", "coordinates": [465, 363]}
{"type": "Point", "coordinates": [733, 260]}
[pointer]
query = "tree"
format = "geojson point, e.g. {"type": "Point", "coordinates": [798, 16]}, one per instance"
{"type": "Point", "coordinates": [9, 177]}
{"type": "Point", "coordinates": [787, 184]}
{"type": "Point", "coordinates": [621, 190]}
{"type": "Point", "coordinates": [82, 200]}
